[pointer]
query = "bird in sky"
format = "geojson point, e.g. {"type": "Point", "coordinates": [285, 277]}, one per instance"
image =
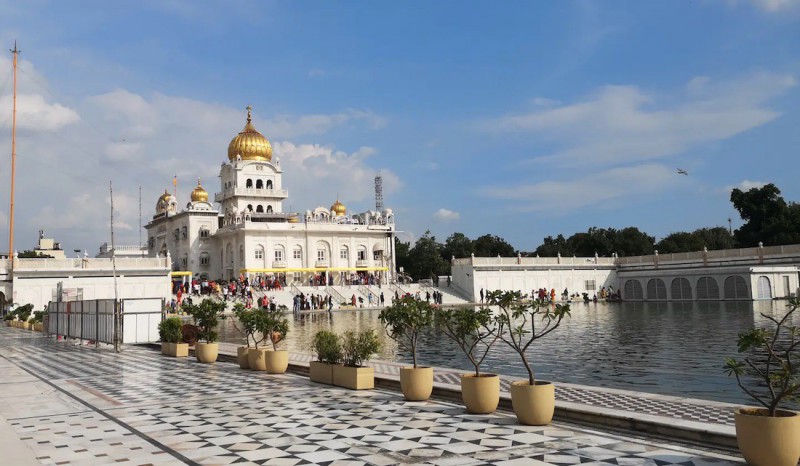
{"type": "Point", "coordinates": [681, 171]}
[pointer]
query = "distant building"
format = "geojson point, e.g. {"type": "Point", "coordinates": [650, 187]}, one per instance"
{"type": "Point", "coordinates": [250, 233]}
{"type": "Point", "coordinates": [731, 274]}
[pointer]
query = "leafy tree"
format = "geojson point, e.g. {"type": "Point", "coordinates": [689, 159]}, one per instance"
{"type": "Point", "coordinates": [401, 251]}
{"type": "Point", "coordinates": [457, 245]}
{"type": "Point", "coordinates": [768, 218]}
{"type": "Point", "coordinates": [492, 246]}
{"type": "Point", "coordinates": [29, 254]}
{"type": "Point", "coordinates": [551, 247]}
{"type": "Point", "coordinates": [405, 320]}
{"type": "Point", "coordinates": [425, 258]}
{"type": "Point", "coordinates": [632, 242]}
{"type": "Point", "coordinates": [712, 238]}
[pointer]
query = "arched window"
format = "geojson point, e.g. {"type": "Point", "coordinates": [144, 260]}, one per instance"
{"type": "Point", "coordinates": [297, 252]}
{"type": "Point", "coordinates": [656, 290]}
{"type": "Point", "coordinates": [736, 288]}
{"type": "Point", "coordinates": [260, 208]}
{"type": "Point", "coordinates": [204, 259]}
{"type": "Point", "coordinates": [249, 183]}
{"type": "Point", "coordinates": [250, 207]}
{"type": "Point", "coordinates": [344, 253]}
{"type": "Point", "coordinates": [764, 288]}
{"type": "Point", "coordinates": [259, 184]}
{"type": "Point", "coordinates": [632, 291]}
{"type": "Point", "coordinates": [362, 253]}
{"type": "Point", "coordinates": [280, 254]}
{"type": "Point", "coordinates": [707, 288]}
{"type": "Point", "coordinates": [269, 184]}
{"type": "Point", "coordinates": [269, 209]}
{"type": "Point", "coordinates": [681, 289]}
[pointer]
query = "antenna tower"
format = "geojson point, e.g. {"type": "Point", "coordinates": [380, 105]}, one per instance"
{"type": "Point", "coordinates": [379, 193]}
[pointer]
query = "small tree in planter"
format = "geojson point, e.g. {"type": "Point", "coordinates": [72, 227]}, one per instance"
{"type": "Point", "coordinates": [247, 326]}
{"type": "Point", "coordinates": [768, 436]}
{"type": "Point", "coordinates": [169, 331]}
{"type": "Point", "coordinates": [520, 323]}
{"type": "Point", "coordinates": [206, 317]}
{"type": "Point", "coordinates": [356, 348]}
{"type": "Point", "coordinates": [275, 326]}
{"type": "Point", "coordinates": [23, 314]}
{"type": "Point", "coordinates": [403, 321]}
{"type": "Point", "coordinates": [474, 331]}
{"type": "Point", "coordinates": [329, 353]}
{"type": "Point", "coordinates": [37, 319]}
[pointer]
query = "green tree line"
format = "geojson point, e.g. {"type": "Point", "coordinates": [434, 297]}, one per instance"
{"type": "Point", "coordinates": [767, 217]}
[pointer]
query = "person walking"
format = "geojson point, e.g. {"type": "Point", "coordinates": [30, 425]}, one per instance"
{"type": "Point", "coordinates": [481, 295]}
{"type": "Point", "coordinates": [382, 298]}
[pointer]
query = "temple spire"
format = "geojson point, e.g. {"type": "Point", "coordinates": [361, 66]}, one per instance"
{"type": "Point", "coordinates": [249, 117]}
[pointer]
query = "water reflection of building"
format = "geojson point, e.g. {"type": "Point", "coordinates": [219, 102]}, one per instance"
{"type": "Point", "coordinates": [251, 233]}
{"type": "Point", "coordinates": [732, 274]}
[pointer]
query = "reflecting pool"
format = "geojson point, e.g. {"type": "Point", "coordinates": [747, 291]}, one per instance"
{"type": "Point", "coordinates": [670, 348]}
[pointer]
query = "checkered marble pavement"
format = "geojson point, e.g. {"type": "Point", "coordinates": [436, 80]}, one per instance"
{"type": "Point", "coordinates": [633, 403]}
{"type": "Point", "coordinates": [139, 407]}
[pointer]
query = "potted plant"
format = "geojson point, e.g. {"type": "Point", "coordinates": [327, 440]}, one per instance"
{"type": "Point", "coordinates": [9, 318]}
{"type": "Point", "coordinates": [256, 357]}
{"type": "Point", "coordinates": [247, 327]}
{"type": "Point", "coordinates": [206, 317]}
{"type": "Point", "coordinates": [276, 326]}
{"type": "Point", "coordinates": [23, 314]}
{"type": "Point", "coordinates": [403, 322]}
{"type": "Point", "coordinates": [329, 353]}
{"type": "Point", "coordinates": [474, 331]}
{"type": "Point", "coordinates": [768, 435]}
{"type": "Point", "coordinates": [37, 319]}
{"type": "Point", "coordinates": [169, 331]}
{"type": "Point", "coordinates": [520, 323]}
{"type": "Point", "coordinates": [356, 348]}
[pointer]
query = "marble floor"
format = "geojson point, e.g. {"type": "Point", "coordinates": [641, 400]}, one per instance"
{"type": "Point", "coordinates": [82, 406]}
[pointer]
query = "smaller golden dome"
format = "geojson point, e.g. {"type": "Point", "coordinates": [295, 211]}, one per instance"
{"type": "Point", "coordinates": [339, 209]}
{"type": "Point", "coordinates": [199, 194]}
{"type": "Point", "coordinates": [294, 219]}
{"type": "Point", "coordinates": [163, 202]}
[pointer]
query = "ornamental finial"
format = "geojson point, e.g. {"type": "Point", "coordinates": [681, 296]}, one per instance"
{"type": "Point", "coordinates": [249, 109]}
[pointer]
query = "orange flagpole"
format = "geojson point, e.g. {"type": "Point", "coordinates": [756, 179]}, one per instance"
{"type": "Point", "coordinates": [15, 52]}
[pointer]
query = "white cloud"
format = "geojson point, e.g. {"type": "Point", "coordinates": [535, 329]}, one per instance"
{"type": "Point", "coordinates": [68, 153]}
{"type": "Point", "coordinates": [446, 215]}
{"type": "Point", "coordinates": [616, 184]}
{"type": "Point", "coordinates": [746, 185]}
{"type": "Point", "coordinates": [773, 6]}
{"type": "Point", "coordinates": [316, 174]}
{"type": "Point", "coordinates": [620, 124]}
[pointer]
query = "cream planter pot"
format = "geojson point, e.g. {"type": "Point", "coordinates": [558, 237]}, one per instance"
{"type": "Point", "coordinates": [206, 352]}
{"type": "Point", "coordinates": [355, 378]}
{"type": "Point", "coordinates": [416, 384]}
{"type": "Point", "coordinates": [277, 361]}
{"type": "Point", "coordinates": [178, 350]}
{"type": "Point", "coordinates": [533, 404]}
{"type": "Point", "coordinates": [242, 358]}
{"type": "Point", "coordinates": [256, 359]}
{"type": "Point", "coordinates": [320, 372]}
{"type": "Point", "coordinates": [768, 441]}
{"type": "Point", "coordinates": [481, 395]}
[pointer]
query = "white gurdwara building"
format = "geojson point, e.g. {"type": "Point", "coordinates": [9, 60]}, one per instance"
{"type": "Point", "coordinates": [251, 234]}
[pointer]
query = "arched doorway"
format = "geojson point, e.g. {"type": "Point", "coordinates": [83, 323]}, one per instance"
{"type": "Point", "coordinates": [632, 291]}
{"type": "Point", "coordinates": [736, 288]}
{"type": "Point", "coordinates": [656, 290]}
{"type": "Point", "coordinates": [681, 289]}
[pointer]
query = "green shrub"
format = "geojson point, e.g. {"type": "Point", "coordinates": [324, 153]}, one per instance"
{"type": "Point", "coordinates": [169, 330]}
{"type": "Point", "coordinates": [273, 325]}
{"type": "Point", "coordinates": [24, 312]}
{"type": "Point", "coordinates": [327, 347]}
{"type": "Point", "coordinates": [473, 331]}
{"type": "Point", "coordinates": [358, 347]}
{"type": "Point", "coordinates": [206, 317]}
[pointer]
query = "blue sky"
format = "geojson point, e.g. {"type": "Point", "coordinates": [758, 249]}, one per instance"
{"type": "Point", "coordinates": [522, 119]}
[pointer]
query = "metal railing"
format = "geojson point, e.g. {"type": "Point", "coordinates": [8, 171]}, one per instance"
{"type": "Point", "coordinates": [335, 295]}
{"type": "Point", "coordinates": [91, 320]}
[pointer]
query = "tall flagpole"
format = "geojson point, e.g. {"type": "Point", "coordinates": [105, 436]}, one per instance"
{"type": "Point", "coordinates": [15, 52]}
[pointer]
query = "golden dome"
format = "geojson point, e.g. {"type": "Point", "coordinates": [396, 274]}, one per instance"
{"type": "Point", "coordinates": [339, 209]}
{"type": "Point", "coordinates": [199, 194]}
{"type": "Point", "coordinates": [250, 144]}
{"type": "Point", "coordinates": [163, 202]}
{"type": "Point", "coordinates": [294, 219]}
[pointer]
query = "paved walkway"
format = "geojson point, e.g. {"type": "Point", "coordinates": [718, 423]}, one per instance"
{"type": "Point", "coordinates": [75, 405]}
